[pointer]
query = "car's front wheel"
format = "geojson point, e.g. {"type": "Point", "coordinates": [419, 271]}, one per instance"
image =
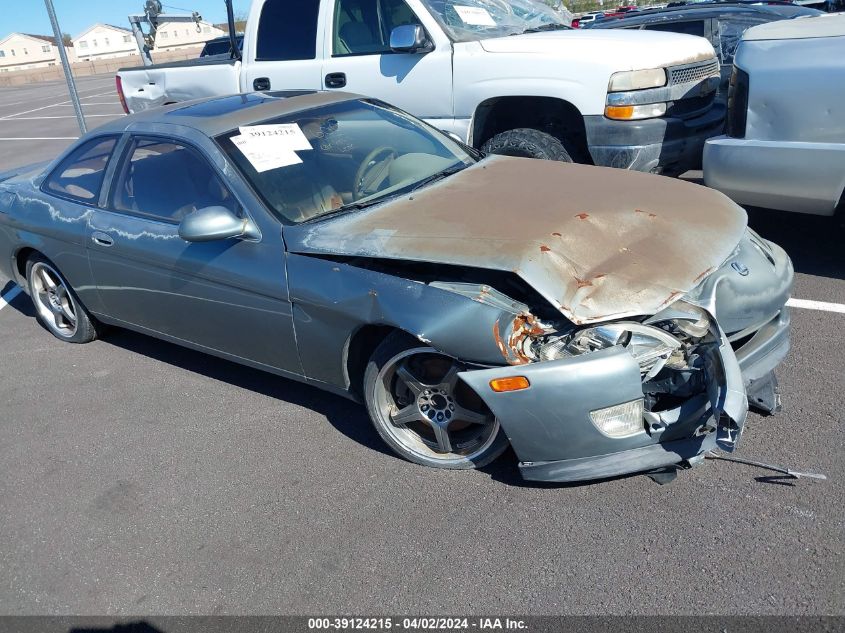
{"type": "Point", "coordinates": [56, 305]}
{"type": "Point", "coordinates": [424, 412]}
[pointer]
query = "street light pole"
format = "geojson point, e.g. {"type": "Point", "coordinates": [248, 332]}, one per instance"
{"type": "Point", "coordinates": [71, 84]}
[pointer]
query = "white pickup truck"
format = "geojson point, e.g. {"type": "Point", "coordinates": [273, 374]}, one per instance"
{"type": "Point", "coordinates": [506, 76]}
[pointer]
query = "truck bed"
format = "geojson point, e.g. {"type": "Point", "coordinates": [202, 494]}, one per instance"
{"type": "Point", "coordinates": [152, 86]}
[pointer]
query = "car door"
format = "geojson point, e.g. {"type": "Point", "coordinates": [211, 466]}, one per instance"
{"type": "Point", "coordinates": [359, 58]}
{"type": "Point", "coordinates": [282, 47]}
{"type": "Point", "coordinates": [71, 192]}
{"type": "Point", "coordinates": [227, 296]}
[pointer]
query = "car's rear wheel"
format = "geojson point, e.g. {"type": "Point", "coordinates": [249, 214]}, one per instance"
{"type": "Point", "coordinates": [56, 305]}
{"type": "Point", "coordinates": [527, 143]}
{"type": "Point", "coordinates": [424, 412]}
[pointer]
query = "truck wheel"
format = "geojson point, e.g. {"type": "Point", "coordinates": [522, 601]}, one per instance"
{"type": "Point", "coordinates": [527, 143]}
{"type": "Point", "coordinates": [424, 412]}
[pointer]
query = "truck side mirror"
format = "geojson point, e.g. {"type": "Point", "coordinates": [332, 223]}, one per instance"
{"type": "Point", "coordinates": [410, 38]}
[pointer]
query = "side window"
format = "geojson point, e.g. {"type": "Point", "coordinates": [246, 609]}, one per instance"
{"type": "Point", "coordinates": [166, 181]}
{"type": "Point", "coordinates": [80, 175]}
{"type": "Point", "coordinates": [730, 33]}
{"type": "Point", "coordinates": [691, 27]}
{"type": "Point", "coordinates": [362, 27]}
{"type": "Point", "coordinates": [287, 30]}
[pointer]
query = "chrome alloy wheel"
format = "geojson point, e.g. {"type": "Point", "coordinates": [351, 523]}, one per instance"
{"type": "Point", "coordinates": [53, 301]}
{"type": "Point", "coordinates": [426, 409]}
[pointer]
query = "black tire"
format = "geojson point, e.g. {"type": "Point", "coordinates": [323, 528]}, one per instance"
{"type": "Point", "coordinates": [53, 308]}
{"type": "Point", "coordinates": [527, 143]}
{"type": "Point", "coordinates": [420, 449]}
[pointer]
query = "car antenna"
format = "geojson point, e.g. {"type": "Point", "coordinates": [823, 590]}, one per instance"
{"type": "Point", "coordinates": [786, 471]}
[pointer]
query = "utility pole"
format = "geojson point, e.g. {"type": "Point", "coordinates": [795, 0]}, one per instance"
{"type": "Point", "coordinates": [71, 84]}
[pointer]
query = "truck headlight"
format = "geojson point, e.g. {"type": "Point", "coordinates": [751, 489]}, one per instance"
{"type": "Point", "coordinates": [637, 80]}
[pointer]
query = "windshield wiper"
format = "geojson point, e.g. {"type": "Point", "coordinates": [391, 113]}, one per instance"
{"type": "Point", "coordinates": [440, 175]}
{"type": "Point", "coordinates": [352, 206]}
{"type": "Point", "coordinates": [548, 27]}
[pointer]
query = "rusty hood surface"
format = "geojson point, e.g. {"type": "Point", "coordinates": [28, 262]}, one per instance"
{"type": "Point", "coordinates": [597, 243]}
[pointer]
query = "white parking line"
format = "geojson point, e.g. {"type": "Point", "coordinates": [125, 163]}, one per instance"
{"type": "Point", "coordinates": [807, 304]}
{"type": "Point", "coordinates": [7, 298]}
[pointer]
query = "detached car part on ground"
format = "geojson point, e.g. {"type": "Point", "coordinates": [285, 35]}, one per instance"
{"type": "Point", "coordinates": [602, 322]}
{"type": "Point", "coordinates": [785, 149]}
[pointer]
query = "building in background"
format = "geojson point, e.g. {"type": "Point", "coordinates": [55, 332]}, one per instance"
{"type": "Point", "coordinates": [104, 41]}
{"type": "Point", "coordinates": [22, 51]}
{"type": "Point", "coordinates": [172, 36]}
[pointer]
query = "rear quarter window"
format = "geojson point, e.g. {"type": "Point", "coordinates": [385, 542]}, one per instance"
{"type": "Point", "coordinates": [79, 177]}
{"type": "Point", "coordinates": [287, 30]}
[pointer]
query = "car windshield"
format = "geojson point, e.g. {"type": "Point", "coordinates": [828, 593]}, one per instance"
{"type": "Point", "coordinates": [341, 157]}
{"type": "Point", "coordinates": [466, 20]}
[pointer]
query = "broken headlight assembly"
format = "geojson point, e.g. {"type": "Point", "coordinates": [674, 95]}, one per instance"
{"type": "Point", "coordinates": [666, 348]}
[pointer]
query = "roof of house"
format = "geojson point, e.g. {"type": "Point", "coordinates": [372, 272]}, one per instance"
{"type": "Point", "coordinates": [46, 38]}
{"type": "Point", "coordinates": [43, 38]}
{"type": "Point", "coordinates": [94, 26]}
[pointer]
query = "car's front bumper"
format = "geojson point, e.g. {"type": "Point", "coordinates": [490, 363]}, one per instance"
{"type": "Point", "coordinates": [549, 424]}
{"type": "Point", "coordinates": [663, 145]}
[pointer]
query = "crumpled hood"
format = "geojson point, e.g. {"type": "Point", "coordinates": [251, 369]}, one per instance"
{"type": "Point", "coordinates": [622, 49]}
{"type": "Point", "coordinates": [597, 243]}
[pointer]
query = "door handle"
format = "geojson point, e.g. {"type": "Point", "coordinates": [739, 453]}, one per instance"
{"type": "Point", "coordinates": [102, 239]}
{"type": "Point", "coordinates": [335, 80]}
{"type": "Point", "coordinates": [261, 83]}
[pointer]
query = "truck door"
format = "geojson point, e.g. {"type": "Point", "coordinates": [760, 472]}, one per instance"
{"type": "Point", "coordinates": [281, 46]}
{"type": "Point", "coordinates": [358, 58]}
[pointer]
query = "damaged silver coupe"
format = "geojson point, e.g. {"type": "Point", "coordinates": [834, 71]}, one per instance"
{"type": "Point", "coordinates": [599, 321]}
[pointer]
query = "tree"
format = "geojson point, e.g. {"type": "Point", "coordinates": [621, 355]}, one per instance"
{"type": "Point", "coordinates": [67, 40]}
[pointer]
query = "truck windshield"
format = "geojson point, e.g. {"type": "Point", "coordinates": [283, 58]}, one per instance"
{"type": "Point", "coordinates": [337, 158]}
{"type": "Point", "coordinates": [465, 20]}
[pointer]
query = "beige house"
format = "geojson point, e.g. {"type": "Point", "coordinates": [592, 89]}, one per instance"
{"type": "Point", "coordinates": [104, 41]}
{"type": "Point", "coordinates": [22, 51]}
{"type": "Point", "coordinates": [175, 35]}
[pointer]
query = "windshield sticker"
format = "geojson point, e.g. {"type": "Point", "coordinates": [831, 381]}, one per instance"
{"type": "Point", "coordinates": [474, 16]}
{"type": "Point", "coordinates": [265, 152]}
{"type": "Point", "coordinates": [287, 135]}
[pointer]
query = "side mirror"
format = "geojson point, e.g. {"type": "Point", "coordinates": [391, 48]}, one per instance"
{"type": "Point", "coordinates": [215, 223]}
{"type": "Point", "coordinates": [410, 38]}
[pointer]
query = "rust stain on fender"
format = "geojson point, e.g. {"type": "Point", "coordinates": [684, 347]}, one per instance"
{"type": "Point", "coordinates": [468, 220]}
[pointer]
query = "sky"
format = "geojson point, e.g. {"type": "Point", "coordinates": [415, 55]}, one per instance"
{"type": "Point", "coordinates": [30, 16]}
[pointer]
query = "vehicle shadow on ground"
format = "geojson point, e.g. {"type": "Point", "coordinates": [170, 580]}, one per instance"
{"type": "Point", "coordinates": [347, 417]}
{"type": "Point", "coordinates": [815, 244]}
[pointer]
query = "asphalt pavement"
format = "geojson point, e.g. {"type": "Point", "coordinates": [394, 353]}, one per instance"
{"type": "Point", "coordinates": [137, 477]}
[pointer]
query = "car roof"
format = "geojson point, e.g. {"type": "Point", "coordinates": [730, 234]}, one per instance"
{"type": "Point", "coordinates": [705, 10]}
{"type": "Point", "coordinates": [217, 115]}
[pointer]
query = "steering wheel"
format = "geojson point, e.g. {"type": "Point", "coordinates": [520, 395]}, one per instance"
{"type": "Point", "coordinates": [373, 171]}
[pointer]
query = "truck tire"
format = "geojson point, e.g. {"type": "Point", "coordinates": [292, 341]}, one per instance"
{"type": "Point", "coordinates": [527, 143]}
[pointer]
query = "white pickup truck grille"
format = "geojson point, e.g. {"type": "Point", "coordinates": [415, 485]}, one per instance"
{"type": "Point", "coordinates": [691, 73]}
